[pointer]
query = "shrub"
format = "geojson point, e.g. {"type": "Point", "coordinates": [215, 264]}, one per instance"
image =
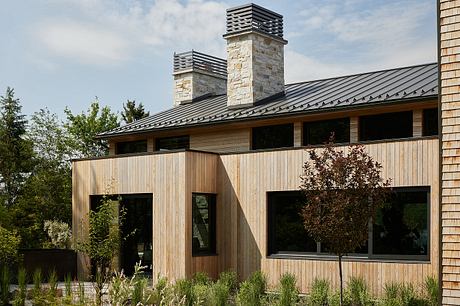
{"type": "Point", "coordinates": [289, 294]}
{"type": "Point", "coordinates": [5, 285]}
{"type": "Point", "coordinates": [252, 290]}
{"type": "Point", "coordinates": [319, 293]}
{"type": "Point", "coordinates": [37, 292]}
{"type": "Point", "coordinates": [20, 297]}
{"type": "Point", "coordinates": [183, 289]}
{"type": "Point", "coordinates": [67, 299]}
{"type": "Point", "coordinates": [357, 292]}
{"type": "Point", "coordinates": [230, 279]}
{"type": "Point", "coordinates": [391, 294]}
{"type": "Point", "coordinates": [201, 278]}
{"type": "Point", "coordinates": [9, 243]}
{"type": "Point", "coordinates": [52, 291]}
{"type": "Point", "coordinates": [59, 233]}
{"type": "Point", "coordinates": [199, 294]}
{"type": "Point", "coordinates": [431, 287]}
{"type": "Point", "coordinates": [219, 293]}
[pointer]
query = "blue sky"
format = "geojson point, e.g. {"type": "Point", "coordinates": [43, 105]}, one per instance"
{"type": "Point", "coordinates": [58, 53]}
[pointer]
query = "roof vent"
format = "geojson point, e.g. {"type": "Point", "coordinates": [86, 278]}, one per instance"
{"type": "Point", "coordinates": [251, 17]}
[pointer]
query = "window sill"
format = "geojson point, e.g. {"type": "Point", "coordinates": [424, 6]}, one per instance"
{"type": "Point", "coordinates": [324, 257]}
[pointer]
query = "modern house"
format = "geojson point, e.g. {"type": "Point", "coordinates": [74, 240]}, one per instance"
{"type": "Point", "coordinates": [212, 183]}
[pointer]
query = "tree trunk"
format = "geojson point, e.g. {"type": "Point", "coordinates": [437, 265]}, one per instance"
{"type": "Point", "coordinates": [341, 280]}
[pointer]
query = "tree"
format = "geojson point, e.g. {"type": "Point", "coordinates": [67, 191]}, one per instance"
{"type": "Point", "coordinates": [16, 153]}
{"type": "Point", "coordinates": [103, 241]}
{"type": "Point", "coordinates": [132, 113]}
{"type": "Point", "coordinates": [84, 128]}
{"type": "Point", "coordinates": [47, 191]}
{"type": "Point", "coordinates": [343, 192]}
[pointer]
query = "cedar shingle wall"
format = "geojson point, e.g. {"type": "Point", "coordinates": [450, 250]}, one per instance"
{"type": "Point", "coordinates": [450, 114]}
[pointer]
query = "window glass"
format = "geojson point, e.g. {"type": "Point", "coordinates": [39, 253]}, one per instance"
{"type": "Point", "coordinates": [430, 122]}
{"type": "Point", "coordinates": [401, 226]}
{"type": "Point", "coordinates": [385, 126]}
{"type": "Point", "coordinates": [273, 136]}
{"type": "Point", "coordinates": [127, 147]}
{"type": "Point", "coordinates": [286, 230]}
{"type": "Point", "coordinates": [173, 143]}
{"type": "Point", "coordinates": [319, 132]}
{"type": "Point", "coordinates": [203, 224]}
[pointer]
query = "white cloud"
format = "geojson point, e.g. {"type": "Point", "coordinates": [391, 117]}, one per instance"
{"type": "Point", "coordinates": [109, 32]}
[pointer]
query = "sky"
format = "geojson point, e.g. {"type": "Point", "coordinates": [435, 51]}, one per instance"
{"type": "Point", "coordinates": [65, 53]}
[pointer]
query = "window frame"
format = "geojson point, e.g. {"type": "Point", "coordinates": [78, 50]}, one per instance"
{"type": "Point", "coordinates": [306, 124]}
{"type": "Point", "coordinates": [117, 144]}
{"type": "Point", "coordinates": [212, 216]}
{"type": "Point", "coordinates": [424, 121]}
{"type": "Point", "coordinates": [252, 135]}
{"type": "Point", "coordinates": [361, 129]}
{"type": "Point", "coordinates": [157, 140]}
{"type": "Point", "coordinates": [369, 256]}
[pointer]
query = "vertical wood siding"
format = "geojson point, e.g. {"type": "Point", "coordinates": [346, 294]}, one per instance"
{"type": "Point", "coordinates": [222, 141]}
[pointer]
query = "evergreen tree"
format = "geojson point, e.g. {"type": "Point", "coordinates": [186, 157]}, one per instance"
{"type": "Point", "coordinates": [16, 151]}
{"type": "Point", "coordinates": [132, 113]}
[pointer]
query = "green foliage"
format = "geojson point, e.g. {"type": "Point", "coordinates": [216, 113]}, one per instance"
{"type": "Point", "coordinates": [219, 293]}
{"type": "Point", "coordinates": [68, 294]}
{"type": "Point", "coordinates": [83, 129]}
{"type": "Point", "coordinates": [16, 153]}
{"type": "Point", "coordinates": [289, 294]}
{"type": "Point", "coordinates": [81, 294]}
{"type": "Point", "coordinates": [5, 285]}
{"type": "Point", "coordinates": [431, 287]}
{"type": "Point", "coordinates": [229, 279]}
{"type": "Point", "coordinates": [358, 293]}
{"type": "Point", "coordinates": [319, 293]}
{"type": "Point", "coordinates": [59, 233]}
{"type": "Point", "coordinates": [201, 278]}
{"type": "Point", "coordinates": [20, 298]}
{"type": "Point", "coordinates": [37, 292]}
{"type": "Point", "coordinates": [52, 290]}
{"type": "Point", "coordinates": [132, 113]}
{"type": "Point", "coordinates": [252, 290]}
{"type": "Point", "coordinates": [9, 243]}
{"type": "Point", "coordinates": [184, 290]}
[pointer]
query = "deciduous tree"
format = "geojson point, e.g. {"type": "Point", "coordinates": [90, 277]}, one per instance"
{"type": "Point", "coordinates": [343, 192]}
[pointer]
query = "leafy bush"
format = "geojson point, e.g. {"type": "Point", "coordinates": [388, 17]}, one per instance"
{"type": "Point", "coordinates": [391, 294]}
{"type": "Point", "coordinates": [319, 293]}
{"type": "Point", "coordinates": [199, 294]}
{"type": "Point", "coordinates": [252, 290]}
{"type": "Point", "coordinates": [59, 233]}
{"type": "Point", "coordinates": [219, 293]}
{"type": "Point", "coordinates": [20, 298]}
{"type": "Point", "coordinates": [358, 293]}
{"type": "Point", "coordinates": [229, 279]}
{"type": "Point", "coordinates": [289, 294]}
{"type": "Point", "coordinates": [9, 243]}
{"type": "Point", "coordinates": [183, 289]}
{"type": "Point", "coordinates": [201, 278]}
{"type": "Point", "coordinates": [431, 287]}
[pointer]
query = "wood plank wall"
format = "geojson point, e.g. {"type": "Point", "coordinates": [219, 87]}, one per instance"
{"type": "Point", "coordinates": [163, 175]}
{"type": "Point", "coordinates": [242, 183]}
{"type": "Point", "coordinates": [222, 141]}
{"type": "Point", "coordinates": [449, 34]}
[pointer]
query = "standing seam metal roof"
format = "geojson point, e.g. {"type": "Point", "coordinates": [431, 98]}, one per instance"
{"type": "Point", "coordinates": [387, 86]}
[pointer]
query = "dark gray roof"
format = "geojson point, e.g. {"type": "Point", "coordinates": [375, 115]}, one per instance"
{"type": "Point", "coordinates": [359, 90]}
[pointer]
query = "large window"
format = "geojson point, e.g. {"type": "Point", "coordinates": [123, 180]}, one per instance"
{"type": "Point", "coordinates": [385, 126]}
{"type": "Point", "coordinates": [127, 147]}
{"type": "Point", "coordinates": [430, 122]}
{"type": "Point", "coordinates": [319, 132]}
{"type": "Point", "coordinates": [273, 136]}
{"type": "Point", "coordinates": [203, 224]}
{"type": "Point", "coordinates": [400, 230]}
{"type": "Point", "coordinates": [172, 143]}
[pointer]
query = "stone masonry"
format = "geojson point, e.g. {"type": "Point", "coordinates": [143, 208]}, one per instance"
{"type": "Point", "coordinates": [194, 83]}
{"type": "Point", "coordinates": [255, 66]}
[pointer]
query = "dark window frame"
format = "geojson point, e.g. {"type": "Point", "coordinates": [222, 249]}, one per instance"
{"type": "Point", "coordinates": [426, 131]}
{"type": "Point", "coordinates": [307, 124]}
{"type": "Point", "coordinates": [159, 139]}
{"type": "Point", "coordinates": [369, 256]}
{"type": "Point", "coordinates": [212, 217]}
{"type": "Point", "coordinates": [259, 128]}
{"type": "Point", "coordinates": [365, 120]}
{"type": "Point", "coordinates": [135, 142]}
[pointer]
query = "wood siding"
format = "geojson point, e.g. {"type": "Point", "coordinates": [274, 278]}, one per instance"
{"type": "Point", "coordinates": [450, 141]}
{"type": "Point", "coordinates": [222, 141]}
{"type": "Point", "coordinates": [244, 179]}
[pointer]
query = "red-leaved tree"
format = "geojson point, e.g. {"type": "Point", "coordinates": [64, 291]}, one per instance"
{"type": "Point", "coordinates": [343, 192]}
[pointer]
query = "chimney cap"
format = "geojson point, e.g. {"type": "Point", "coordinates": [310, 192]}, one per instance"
{"type": "Point", "coordinates": [194, 60]}
{"type": "Point", "coordinates": [252, 17]}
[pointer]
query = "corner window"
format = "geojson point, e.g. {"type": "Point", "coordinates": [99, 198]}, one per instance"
{"type": "Point", "coordinates": [172, 143]}
{"type": "Point", "coordinates": [430, 122]}
{"type": "Point", "coordinates": [127, 147]}
{"type": "Point", "coordinates": [385, 126]}
{"type": "Point", "coordinates": [273, 136]}
{"type": "Point", "coordinates": [399, 232]}
{"type": "Point", "coordinates": [319, 132]}
{"type": "Point", "coordinates": [203, 224]}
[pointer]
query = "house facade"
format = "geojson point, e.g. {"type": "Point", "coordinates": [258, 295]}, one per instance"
{"type": "Point", "coordinates": [212, 183]}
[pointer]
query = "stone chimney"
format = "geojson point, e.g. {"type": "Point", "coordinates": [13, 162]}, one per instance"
{"type": "Point", "coordinates": [449, 97]}
{"type": "Point", "coordinates": [198, 75]}
{"type": "Point", "coordinates": [255, 55]}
